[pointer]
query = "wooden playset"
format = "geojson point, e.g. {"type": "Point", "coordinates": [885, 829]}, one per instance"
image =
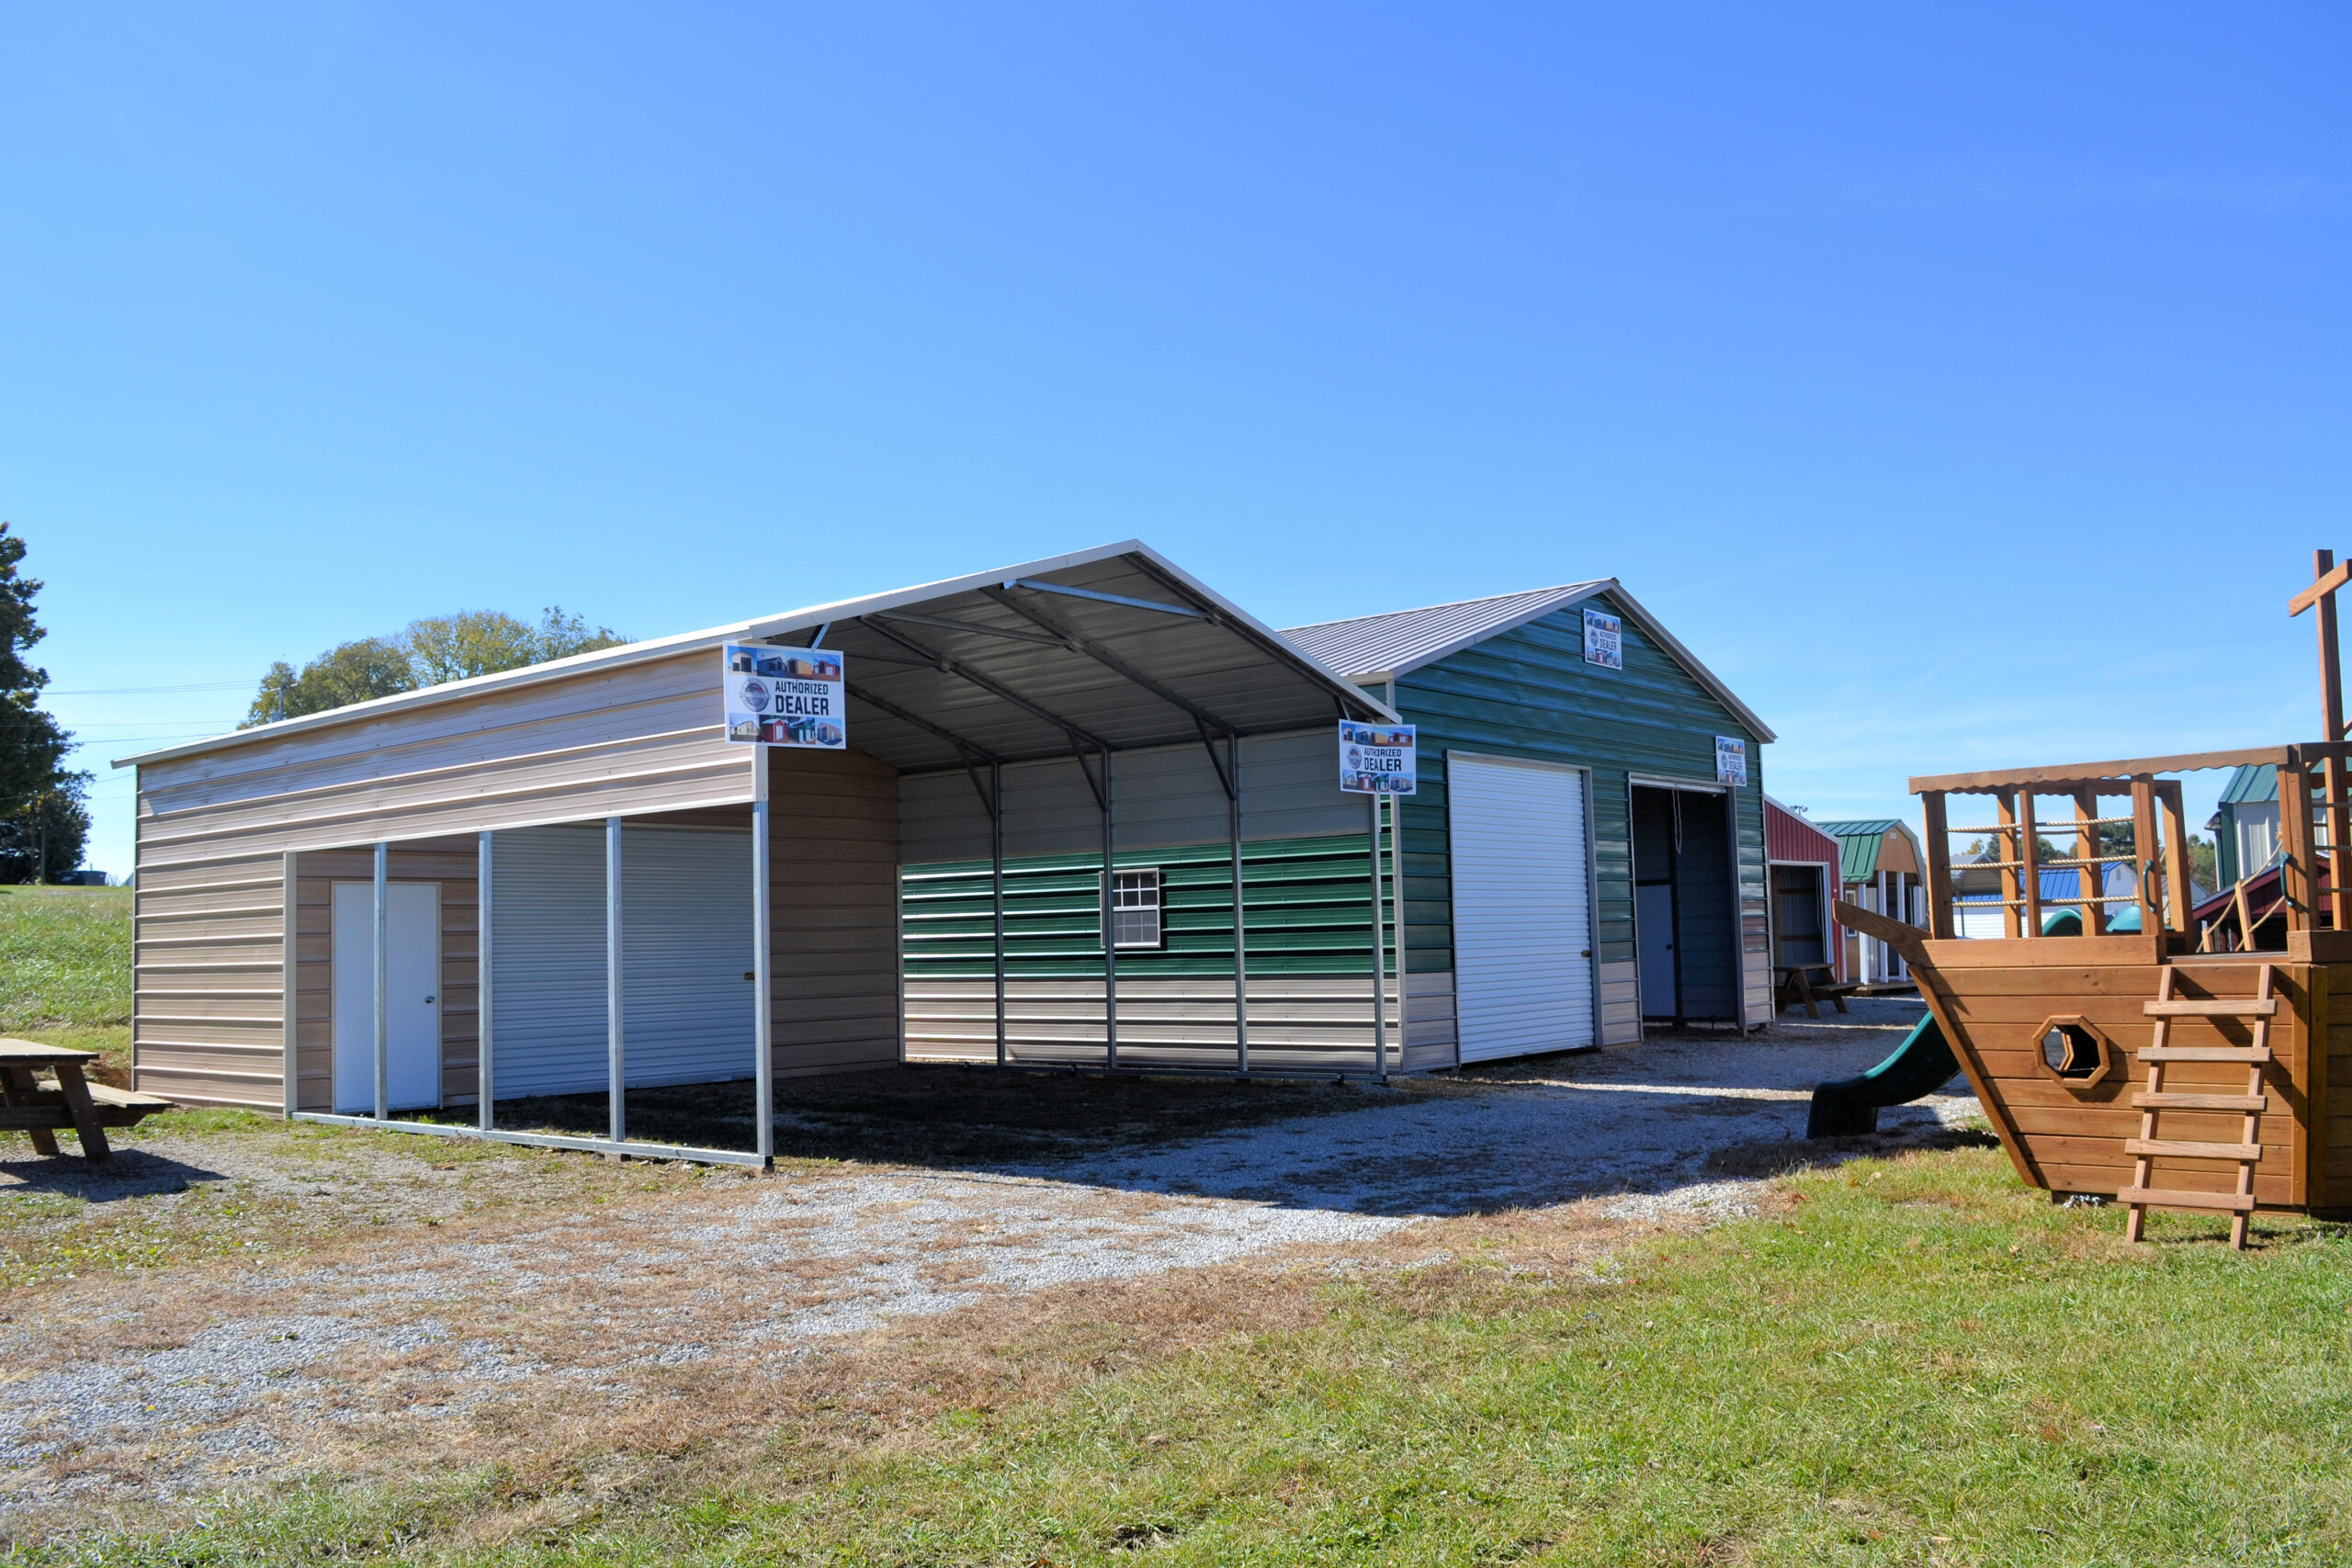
{"type": "Point", "coordinates": [2152, 1056]}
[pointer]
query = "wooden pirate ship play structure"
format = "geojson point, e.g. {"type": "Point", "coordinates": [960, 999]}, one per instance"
{"type": "Point", "coordinates": [2152, 1054]}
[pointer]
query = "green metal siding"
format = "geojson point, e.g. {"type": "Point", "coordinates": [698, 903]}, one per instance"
{"type": "Point", "coordinates": [1528, 692]}
{"type": "Point", "coordinates": [1309, 912]}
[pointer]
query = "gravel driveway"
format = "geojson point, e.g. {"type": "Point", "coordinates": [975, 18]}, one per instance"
{"type": "Point", "coordinates": [186, 1380]}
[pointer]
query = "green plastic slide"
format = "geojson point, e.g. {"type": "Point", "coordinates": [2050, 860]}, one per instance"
{"type": "Point", "coordinates": [1844, 1107]}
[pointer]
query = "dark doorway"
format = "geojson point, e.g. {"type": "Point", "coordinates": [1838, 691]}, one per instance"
{"type": "Point", "coordinates": [1685, 931]}
{"type": "Point", "coordinates": [1799, 933]}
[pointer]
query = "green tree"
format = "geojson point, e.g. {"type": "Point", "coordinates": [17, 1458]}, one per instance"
{"type": "Point", "coordinates": [434, 649]}
{"type": "Point", "coordinates": [33, 744]}
{"type": "Point", "coordinates": [348, 672]}
{"type": "Point", "coordinates": [44, 838]}
{"type": "Point", "coordinates": [40, 800]}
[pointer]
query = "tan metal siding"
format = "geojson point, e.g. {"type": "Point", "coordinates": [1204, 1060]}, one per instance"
{"type": "Point", "coordinates": [629, 742]}
{"type": "Point", "coordinates": [208, 1024]}
{"type": "Point", "coordinates": [833, 858]}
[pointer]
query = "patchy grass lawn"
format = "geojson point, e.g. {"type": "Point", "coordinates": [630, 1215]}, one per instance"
{"type": "Point", "coordinates": [65, 970]}
{"type": "Point", "coordinates": [1902, 1361]}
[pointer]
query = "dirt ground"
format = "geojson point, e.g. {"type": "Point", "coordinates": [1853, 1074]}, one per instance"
{"type": "Point", "coordinates": [227, 1309]}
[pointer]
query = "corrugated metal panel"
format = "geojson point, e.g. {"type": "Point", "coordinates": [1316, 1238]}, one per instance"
{"type": "Point", "coordinates": [1789, 837]}
{"type": "Point", "coordinates": [1290, 789]}
{"type": "Point", "coordinates": [1858, 844]}
{"type": "Point", "coordinates": [1310, 912]}
{"type": "Point", "coordinates": [208, 1024]}
{"type": "Point", "coordinates": [2247, 786]}
{"type": "Point", "coordinates": [1406, 639]}
{"type": "Point", "coordinates": [686, 933]}
{"type": "Point", "coordinates": [1522, 910]}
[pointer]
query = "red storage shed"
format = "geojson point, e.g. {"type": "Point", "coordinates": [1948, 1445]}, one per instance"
{"type": "Point", "coordinates": [1803, 862]}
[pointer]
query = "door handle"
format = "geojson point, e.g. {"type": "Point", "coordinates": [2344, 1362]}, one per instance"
{"type": "Point", "coordinates": [428, 998]}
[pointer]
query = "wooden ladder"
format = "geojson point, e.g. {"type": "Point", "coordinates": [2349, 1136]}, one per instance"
{"type": "Point", "coordinates": [2156, 1100]}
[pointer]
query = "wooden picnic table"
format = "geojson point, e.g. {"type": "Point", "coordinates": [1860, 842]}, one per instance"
{"type": "Point", "coordinates": [88, 1109]}
{"type": "Point", "coordinates": [1797, 986]}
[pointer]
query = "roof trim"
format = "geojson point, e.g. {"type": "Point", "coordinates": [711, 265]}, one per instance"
{"type": "Point", "coordinates": [1568, 595]}
{"type": "Point", "coordinates": [1220, 609]}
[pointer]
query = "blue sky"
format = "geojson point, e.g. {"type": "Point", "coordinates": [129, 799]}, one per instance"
{"type": "Point", "coordinates": [1966, 385]}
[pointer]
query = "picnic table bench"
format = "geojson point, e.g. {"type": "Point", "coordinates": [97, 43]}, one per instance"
{"type": "Point", "coordinates": [86, 1107]}
{"type": "Point", "coordinates": [1797, 984]}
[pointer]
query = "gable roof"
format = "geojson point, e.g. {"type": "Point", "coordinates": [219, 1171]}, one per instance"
{"type": "Point", "coordinates": [1115, 647]}
{"type": "Point", "coordinates": [1371, 647]}
{"type": "Point", "coordinates": [2251, 784]}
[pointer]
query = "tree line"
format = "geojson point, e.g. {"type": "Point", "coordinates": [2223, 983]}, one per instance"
{"type": "Point", "coordinates": [432, 650]}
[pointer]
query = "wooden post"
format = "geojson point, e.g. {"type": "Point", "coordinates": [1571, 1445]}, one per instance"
{"type": "Point", "coordinates": [1939, 920]}
{"type": "Point", "coordinates": [2094, 876]}
{"type": "Point", "coordinates": [2012, 908]}
{"type": "Point", "coordinates": [2327, 581]}
{"type": "Point", "coordinates": [2144, 850]}
{"type": "Point", "coordinates": [2175, 831]}
{"type": "Point", "coordinates": [2295, 842]}
{"type": "Point", "coordinates": [2029, 851]}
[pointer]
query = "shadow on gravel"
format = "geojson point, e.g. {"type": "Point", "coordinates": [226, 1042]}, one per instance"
{"type": "Point", "coordinates": [947, 1116]}
{"type": "Point", "coordinates": [133, 1173]}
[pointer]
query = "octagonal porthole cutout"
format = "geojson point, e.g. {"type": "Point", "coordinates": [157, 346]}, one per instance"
{"type": "Point", "coordinates": [2072, 1051]}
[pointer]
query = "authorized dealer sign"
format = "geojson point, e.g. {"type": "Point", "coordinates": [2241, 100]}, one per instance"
{"type": "Point", "coordinates": [784, 696]}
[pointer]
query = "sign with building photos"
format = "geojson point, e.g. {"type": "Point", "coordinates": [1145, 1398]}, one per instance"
{"type": "Point", "coordinates": [784, 696]}
{"type": "Point", "coordinates": [1375, 758]}
{"type": "Point", "coordinates": [1604, 640]}
{"type": "Point", "coordinates": [1731, 761]}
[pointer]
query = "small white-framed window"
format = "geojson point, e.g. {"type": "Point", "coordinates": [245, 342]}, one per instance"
{"type": "Point", "coordinates": [1135, 909]}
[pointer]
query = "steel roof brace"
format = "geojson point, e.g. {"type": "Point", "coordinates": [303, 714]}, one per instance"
{"type": "Point", "coordinates": [966, 749]}
{"type": "Point", "coordinates": [948, 625]}
{"type": "Point", "coordinates": [1102, 799]}
{"type": "Point", "coordinates": [819, 639]}
{"type": "Point", "coordinates": [989, 803]}
{"type": "Point", "coordinates": [1036, 585]}
{"type": "Point", "coordinates": [1232, 737]}
{"type": "Point", "coordinates": [1070, 639]}
{"type": "Point", "coordinates": [1246, 633]}
{"type": "Point", "coordinates": [989, 684]}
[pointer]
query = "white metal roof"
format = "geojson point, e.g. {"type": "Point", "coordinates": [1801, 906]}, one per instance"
{"type": "Point", "coordinates": [1114, 647]}
{"type": "Point", "coordinates": [1376, 647]}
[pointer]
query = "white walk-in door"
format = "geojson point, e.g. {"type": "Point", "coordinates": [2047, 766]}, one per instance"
{"type": "Point", "coordinates": [412, 995]}
{"type": "Point", "coordinates": [1523, 908]}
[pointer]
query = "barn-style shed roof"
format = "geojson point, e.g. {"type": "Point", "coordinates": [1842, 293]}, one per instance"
{"type": "Point", "coordinates": [1371, 647]}
{"type": "Point", "coordinates": [1862, 841]}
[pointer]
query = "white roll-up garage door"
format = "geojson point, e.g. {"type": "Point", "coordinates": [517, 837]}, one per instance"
{"type": "Point", "coordinates": [1523, 907]}
{"type": "Point", "coordinates": [686, 943]}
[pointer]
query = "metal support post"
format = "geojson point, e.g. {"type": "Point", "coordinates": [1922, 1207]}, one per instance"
{"type": "Point", "coordinates": [1240, 912]}
{"type": "Point", "coordinates": [996, 891]}
{"type": "Point", "coordinates": [1110, 932]}
{"type": "Point", "coordinates": [1379, 955]}
{"type": "Point", "coordinates": [762, 960]}
{"type": "Point", "coordinates": [485, 912]}
{"type": "Point", "coordinates": [383, 968]}
{"type": "Point", "coordinates": [1396, 889]}
{"type": "Point", "coordinates": [615, 1067]}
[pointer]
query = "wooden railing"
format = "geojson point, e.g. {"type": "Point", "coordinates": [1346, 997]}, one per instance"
{"type": "Point", "coordinates": [2159, 837]}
